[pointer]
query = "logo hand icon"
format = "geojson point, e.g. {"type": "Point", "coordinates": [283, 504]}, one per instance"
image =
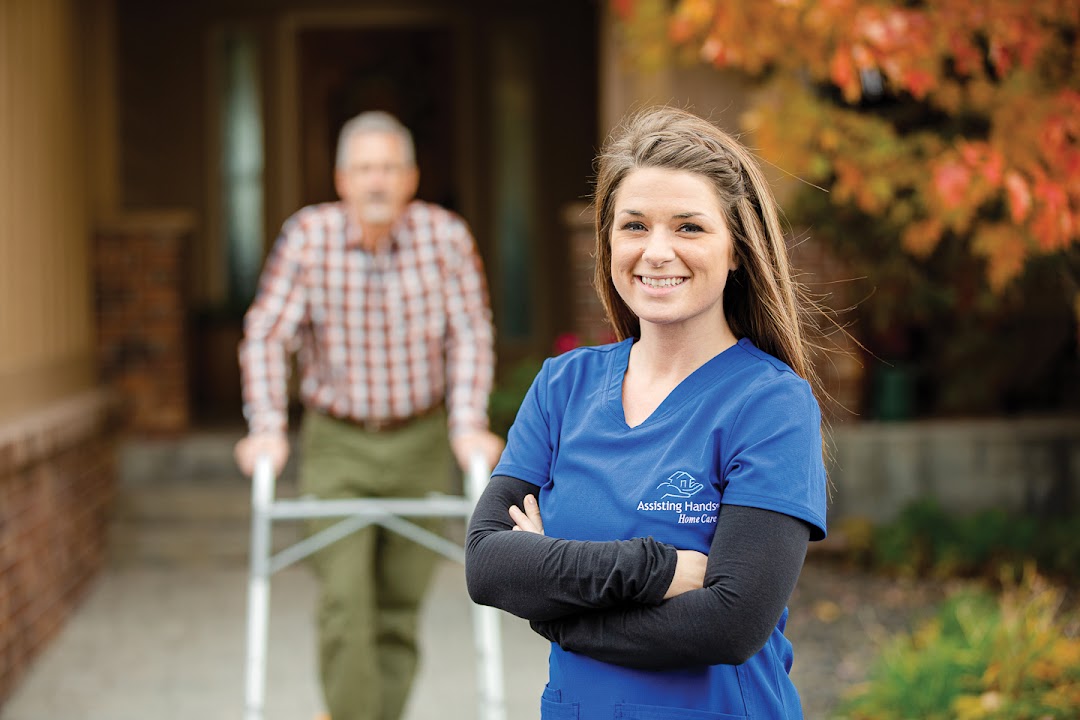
{"type": "Point", "coordinates": [681, 485]}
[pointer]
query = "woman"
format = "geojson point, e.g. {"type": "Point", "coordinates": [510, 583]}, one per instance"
{"type": "Point", "coordinates": [679, 470]}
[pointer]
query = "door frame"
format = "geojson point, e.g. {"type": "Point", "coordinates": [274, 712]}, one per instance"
{"type": "Point", "coordinates": [287, 197]}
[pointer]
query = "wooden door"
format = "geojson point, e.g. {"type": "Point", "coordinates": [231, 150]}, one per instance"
{"type": "Point", "coordinates": [407, 71]}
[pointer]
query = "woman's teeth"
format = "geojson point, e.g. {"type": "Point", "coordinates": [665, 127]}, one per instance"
{"type": "Point", "coordinates": [661, 282]}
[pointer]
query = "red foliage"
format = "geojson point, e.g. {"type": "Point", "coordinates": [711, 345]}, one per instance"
{"type": "Point", "coordinates": [565, 343]}
{"type": "Point", "coordinates": [1012, 186]}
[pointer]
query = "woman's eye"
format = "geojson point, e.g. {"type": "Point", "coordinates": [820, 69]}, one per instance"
{"type": "Point", "coordinates": [690, 227]}
{"type": "Point", "coordinates": [634, 226]}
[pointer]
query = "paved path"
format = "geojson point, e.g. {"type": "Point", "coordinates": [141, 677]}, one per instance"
{"type": "Point", "coordinates": [168, 644]}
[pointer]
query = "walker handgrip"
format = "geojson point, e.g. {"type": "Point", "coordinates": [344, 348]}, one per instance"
{"type": "Point", "coordinates": [477, 477]}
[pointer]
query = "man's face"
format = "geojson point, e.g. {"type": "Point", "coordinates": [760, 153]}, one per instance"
{"type": "Point", "coordinates": [376, 181]}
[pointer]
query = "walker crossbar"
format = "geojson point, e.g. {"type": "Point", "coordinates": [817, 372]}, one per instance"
{"type": "Point", "coordinates": [356, 514]}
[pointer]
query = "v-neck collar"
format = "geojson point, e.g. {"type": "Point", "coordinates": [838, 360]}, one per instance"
{"type": "Point", "coordinates": [689, 387]}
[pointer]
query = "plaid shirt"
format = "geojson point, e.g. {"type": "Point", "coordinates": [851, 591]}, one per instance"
{"type": "Point", "coordinates": [381, 336]}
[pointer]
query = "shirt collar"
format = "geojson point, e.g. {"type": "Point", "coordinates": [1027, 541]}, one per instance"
{"type": "Point", "coordinates": [398, 231]}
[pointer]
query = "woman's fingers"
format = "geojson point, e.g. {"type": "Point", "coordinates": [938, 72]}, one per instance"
{"type": "Point", "coordinates": [528, 520]}
{"type": "Point", "coordinates": [521, 520]}
{"type": "Point", "coordinates": [532, 510]}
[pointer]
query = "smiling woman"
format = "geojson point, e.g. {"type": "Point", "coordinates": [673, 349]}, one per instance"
{"type": "Point", "coordinates": [671, 255]}
{"type": "Point", "coordinates": [663, 488]}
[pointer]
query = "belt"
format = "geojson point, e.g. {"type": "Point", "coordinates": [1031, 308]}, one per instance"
{"type": "Point", "coordinates": [385, 424]}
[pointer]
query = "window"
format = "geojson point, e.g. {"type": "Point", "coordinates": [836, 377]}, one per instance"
{"type": "Point", "coordinates": [242, 161]}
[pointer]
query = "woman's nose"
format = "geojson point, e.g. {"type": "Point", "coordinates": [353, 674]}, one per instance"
{"type": "Point", "coordinates": [658, 248]}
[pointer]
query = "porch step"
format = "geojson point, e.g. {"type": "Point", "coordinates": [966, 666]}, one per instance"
{"type": "Point", "coordinates": [183, 502]}
{"type": "Point", "coordinates": [178, 524]}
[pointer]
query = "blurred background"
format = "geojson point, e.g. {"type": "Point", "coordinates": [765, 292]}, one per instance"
{"type": "Point", "coordinates": [927, 156]}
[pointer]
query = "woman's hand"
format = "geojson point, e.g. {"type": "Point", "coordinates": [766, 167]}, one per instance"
{"type": "Point", "coordinates": [530, 521]}
{"type": "Point", "coordinates": [689, 573]}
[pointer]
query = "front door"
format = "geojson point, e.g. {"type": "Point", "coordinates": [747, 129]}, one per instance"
{"type": "Point", "coordinates": [407, 71]}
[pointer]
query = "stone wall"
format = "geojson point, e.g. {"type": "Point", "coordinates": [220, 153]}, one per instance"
{"type": "Point", "coordinates": [57, 473]}
{"type": "Point", "coordinates": [1024, 466]}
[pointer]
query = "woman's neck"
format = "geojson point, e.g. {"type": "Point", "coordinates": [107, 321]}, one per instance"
{"type": "Point", "coordinates": [662, 354]}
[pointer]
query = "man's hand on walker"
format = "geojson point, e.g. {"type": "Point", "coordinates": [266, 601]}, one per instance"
{"type": "Point", "coordinates": [273, 445]}
{"type": "Point", "coordinates": [528, 521]}
{"type": "Point", "coordinates": [487, 445]}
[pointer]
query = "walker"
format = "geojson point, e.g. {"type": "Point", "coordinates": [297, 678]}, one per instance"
{"type": "Point", "coordinates": [358, 513]}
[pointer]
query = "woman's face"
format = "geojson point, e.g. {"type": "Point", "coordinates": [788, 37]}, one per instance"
{"type": "Point", "coordinates": [671, 251]}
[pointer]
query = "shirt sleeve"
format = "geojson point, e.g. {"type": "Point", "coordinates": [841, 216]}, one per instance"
{"type": "Point", "coordinates": [270, 326]}
{"type": "Point", "coordinates": [772, 456]}
{"type": "Point", "coordinates": [539, 578]}
{"type": "Point", "coordinates": [754, 562]}
{"type": "Point", "coordinates": [470, 351]}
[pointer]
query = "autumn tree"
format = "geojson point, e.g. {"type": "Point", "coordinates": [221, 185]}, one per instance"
{"type": "Point", "coordinates": [943, 138]}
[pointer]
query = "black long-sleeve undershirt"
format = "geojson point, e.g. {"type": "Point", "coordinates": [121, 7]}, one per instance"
{"type": "Point", "coordinates": [542, 578]}
{"type": "Point", "coordinates": [605, 599]}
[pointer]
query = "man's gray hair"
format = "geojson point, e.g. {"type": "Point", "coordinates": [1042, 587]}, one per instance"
{"type": "Point", "coordinates": [375, 121]}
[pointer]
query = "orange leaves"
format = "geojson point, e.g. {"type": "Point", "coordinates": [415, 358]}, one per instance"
{"type": "Point", "coordinates": [843, 74]}
{"type": "Point", "coordinates": [965, 181]}
{"type": "Point", "coordinates": [1054, 226]}
{"type": "Point", "coordinates": [1005, 251]}
{"type": "Point", "coordinates": [994, 160]}
{"type": "Point", "coordinates": [922, 50]}
{"type": "Point", "coordinates": [1019, 197]}
{"type": "Point", "coordinates": [922, 238]}
{"type": "Point", "coordinates": [961, 181]}
{"type": "Point", "coordinates": [951, 182]}
{"type": "Point", "coordinates": [692, 18]}
{"type": "Point", "coordinates": [917, 82]}
{"type": "Point", "coordinates": [624, 9]}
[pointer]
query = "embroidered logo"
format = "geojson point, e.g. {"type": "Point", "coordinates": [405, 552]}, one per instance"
{"type": "Point", "coordinates": [680, 485]}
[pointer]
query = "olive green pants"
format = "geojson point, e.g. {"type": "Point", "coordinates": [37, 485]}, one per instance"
{"type": "Point", "coordinates": [371, 582]}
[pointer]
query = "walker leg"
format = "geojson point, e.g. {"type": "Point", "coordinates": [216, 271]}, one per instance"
{"type": "Point", "coordinates": [486, 628]}
{"type": "Point", "coordinates": [492, 702]}
{"type": "Point", "coordinates": [258, 590]}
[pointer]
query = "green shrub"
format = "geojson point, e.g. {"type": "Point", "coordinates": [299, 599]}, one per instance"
{"type": "Point", "coordinates": [509, 392]}
{"type": "Point", "coordinates": [1013, 657]}
{"type": "Point", "coordinates": [926, 541]}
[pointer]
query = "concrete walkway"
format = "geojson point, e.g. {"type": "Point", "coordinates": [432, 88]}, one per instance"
{"type": "Point", "coordinates": [161, 635]}
{"type": "Point", "coordinates": [168, 644]}
{"type": "Point", "coordinates": [153, 643]}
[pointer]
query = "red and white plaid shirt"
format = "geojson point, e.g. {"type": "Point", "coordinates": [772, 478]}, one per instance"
{"type": "Point", "coordinates": [380, 336]}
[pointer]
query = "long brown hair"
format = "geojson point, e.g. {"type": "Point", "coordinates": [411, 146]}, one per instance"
{"type": "Point", "coordinates": [762, 300]}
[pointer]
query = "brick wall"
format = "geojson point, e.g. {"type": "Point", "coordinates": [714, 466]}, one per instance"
{"type": "Point", "coordinates": [57, 472]}
{"type": "Point", "coordinates": [142, 317]}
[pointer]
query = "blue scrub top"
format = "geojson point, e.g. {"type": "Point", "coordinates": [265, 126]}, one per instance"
{"type": "Point", "coordinates": [743, 429]}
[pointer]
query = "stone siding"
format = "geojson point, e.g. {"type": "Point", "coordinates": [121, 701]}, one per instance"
{"type": "Point", "coordinates": [1024, 466]}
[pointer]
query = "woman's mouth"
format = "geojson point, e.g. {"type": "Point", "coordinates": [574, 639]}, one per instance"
{"type": "Point", "coordinates": [661, 283]}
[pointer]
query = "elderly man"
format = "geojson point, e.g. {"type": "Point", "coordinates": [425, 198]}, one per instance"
{"type": "Point", "coordinates": [383, 297]}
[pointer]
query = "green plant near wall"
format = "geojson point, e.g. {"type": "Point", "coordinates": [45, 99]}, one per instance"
{"type": "Point", "coordinates": [509, 393]}
{"type": "Point", "coordinates": [1014, 657]}
{"type": "Point", "coordinates": [927, 541]}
